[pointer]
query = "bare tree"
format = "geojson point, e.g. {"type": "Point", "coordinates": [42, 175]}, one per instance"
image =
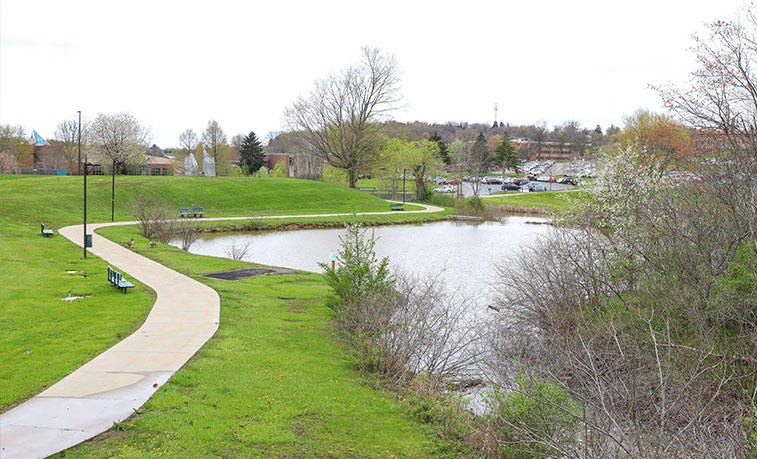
{"type": "Point", "coordinates": [66, 141]}
{"type": "Point", "coordinates": [538, 133]}
{"type": "Point", "coordinates": [628, 313]}
{"type": "Point", "coordinates": [722, 94]}
{"type": "Point", "coordinates": [238, 252]}
{"type": "Point", "coordinates": [479, 162]}
{"type": "Point", "coordinates": [153, 215]}
{"type": "Point", "coordinates": [188, 142]}
{"type": "Point", "coordinates": [339, 116]}
{"type": "Point", "coordinates": [215, 143]}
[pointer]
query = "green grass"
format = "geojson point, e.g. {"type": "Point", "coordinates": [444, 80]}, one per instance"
{"type": "Point", "coordinates": [59, 199]}
{"type": "Point", "coordinates": [276, 326]}
{"type": "Point", "coordinates": [546, 200]}
{"type": "Point", "coordinates": [43, 337]}
{"type": "Point", "coordinates": [272, 382]}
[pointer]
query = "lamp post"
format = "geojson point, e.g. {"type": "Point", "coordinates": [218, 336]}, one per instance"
{"type": "Point", "coordinates": [378, 195]}
{"type": "Point", "coordinates": [78, 167]}
{"type": "Point", "coordinates": [113, 192]}
{"type": "Point", "coordinates": [404, 176]}
{"type": "Point", "coordinates": [85, 210]}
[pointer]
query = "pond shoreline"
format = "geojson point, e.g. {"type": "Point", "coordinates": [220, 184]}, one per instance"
{"type": "Point", "coordinates": [268, 225]}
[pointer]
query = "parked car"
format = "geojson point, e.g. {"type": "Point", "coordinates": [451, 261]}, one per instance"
{"type": "Point", "coordinates": [537, 188]}
{"type": "Point", "coordinates": [452, 182]}
{"type": "Point", "coordinates": [445, 189]}
{"type": "Point", "coordinates": [510, 187]}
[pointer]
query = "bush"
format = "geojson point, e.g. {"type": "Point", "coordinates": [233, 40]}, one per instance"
{"type": "Point", "coordinates": [358, 274]}
{"type": "Point", "coordinates": [445, 411]}
{"type": "Point", "coordinates": [152, 214]}
{"type": "Point", "coordinates": [396, 325]}
{"type": "Point", "coordinates": [537, 419]}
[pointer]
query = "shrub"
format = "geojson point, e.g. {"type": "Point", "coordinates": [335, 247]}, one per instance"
{"type": "Point", "coordinates": [152, 213]}
{"type": "Point", "coordinates": [358, 274]}
{"type": "Point", "coordinates": [537, 419]}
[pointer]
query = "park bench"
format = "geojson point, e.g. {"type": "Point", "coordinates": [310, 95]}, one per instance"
{"type": "Point", "coordinates": [46, 232]}
{"type": "Point", "coordinates": [115, 278]}
{"type": "Point", "coordinates": [191, 212]}
{"type": "Point", "coordinates": [371, 189]}
{"type": "Point", "coordinates": [397, 206]}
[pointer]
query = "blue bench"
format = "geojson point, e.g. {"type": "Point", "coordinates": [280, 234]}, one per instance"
{"type": "Point", "coordinates": [191, 212]}
{"type": "Point", "coordinates": [115, 278]}
{"type": "Point", "coordinates": [397, 206]}
{"type": "Point", "coordinates": [46, 232]}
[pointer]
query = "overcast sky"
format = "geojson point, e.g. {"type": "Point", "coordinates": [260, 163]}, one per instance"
{"type": "Point", "coordinates": [177, 64]}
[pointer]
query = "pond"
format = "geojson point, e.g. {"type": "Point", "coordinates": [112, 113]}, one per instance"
{"type": "Point", "coordinates": [463, 254]}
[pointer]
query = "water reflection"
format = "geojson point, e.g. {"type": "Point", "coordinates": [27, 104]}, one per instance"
{"type": "Point", "coordinates": [463, 254]}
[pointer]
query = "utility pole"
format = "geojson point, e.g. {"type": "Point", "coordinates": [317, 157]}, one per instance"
{"type": "Point", "coordinates": [78, 169]}
{"type": "Point", "coordinates": [495, 113]}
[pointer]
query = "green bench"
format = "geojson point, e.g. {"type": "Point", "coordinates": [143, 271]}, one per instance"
{"type": "Point", "coordinates": [397, 206]}
{"type": "Point", "coordinates": [115, 278]}
{"type": "Point", "coordinates": [191, 212]}
{"type": "Point", "coordinates": [46, 232]}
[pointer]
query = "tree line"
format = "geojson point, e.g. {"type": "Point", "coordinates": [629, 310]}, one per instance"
{"type": "Point", "coordinates": [120, 142]}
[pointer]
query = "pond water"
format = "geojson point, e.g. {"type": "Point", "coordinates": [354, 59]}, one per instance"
{"type": "Point", "coordinates": [463, 254]}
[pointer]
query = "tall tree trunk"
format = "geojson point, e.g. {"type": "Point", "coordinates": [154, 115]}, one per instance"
{"type": "Point", "coordinates": [420, 187]}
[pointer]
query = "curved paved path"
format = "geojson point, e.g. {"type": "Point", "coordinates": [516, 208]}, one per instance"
{"type": "Point", "coordinates": [114, 384]}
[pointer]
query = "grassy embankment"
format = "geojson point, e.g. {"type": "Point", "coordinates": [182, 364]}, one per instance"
{"type": "Point", "coordinates": [554, 201]}
{"type": "Point", "coordinates": [46, 338]}
{"type": "Point", "coordinates": [272, 382]}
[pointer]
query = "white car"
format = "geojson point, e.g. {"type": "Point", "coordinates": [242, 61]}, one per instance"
{"type": "Point", "coordinates": [445, 189]}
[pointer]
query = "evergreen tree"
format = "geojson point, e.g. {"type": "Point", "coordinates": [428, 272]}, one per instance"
{"type": "Point", "coordinates": [443, 151]}
{"type": "Point", "coordinates": [251, 152]}
{"type": "Point", "coordinates": [506, 154]}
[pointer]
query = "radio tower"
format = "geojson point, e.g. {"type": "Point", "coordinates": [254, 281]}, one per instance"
{"type": "Point", "coordinates": [495, 113]}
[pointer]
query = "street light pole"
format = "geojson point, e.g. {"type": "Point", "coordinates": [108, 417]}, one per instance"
{"type": "Point", "coordinates": [378, 195]}
{"type": "Point", "coordinates": [85, 210]}
{"type": "Point", "coordinates": [404, 176]}
{"type": "Point", "coordinates": [78, 168]}
{"type": "Point", "coordinates": [113, 193]}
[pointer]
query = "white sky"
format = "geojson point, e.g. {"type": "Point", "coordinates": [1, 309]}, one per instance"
{"type": "Point", "coordinates": [177, 64]}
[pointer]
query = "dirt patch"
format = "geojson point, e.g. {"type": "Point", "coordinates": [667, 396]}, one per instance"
{"type": "Point", "coordinates": [236, 274]}
{"type": "Point", "coordinates": [296, 306]}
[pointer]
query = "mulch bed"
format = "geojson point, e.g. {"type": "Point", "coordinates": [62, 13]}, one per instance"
{"type": "Point", "coordinates": [236, 274]}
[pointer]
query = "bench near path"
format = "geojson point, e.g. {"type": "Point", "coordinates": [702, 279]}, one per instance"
{"type": "Point", "coordinates": [110, 387]}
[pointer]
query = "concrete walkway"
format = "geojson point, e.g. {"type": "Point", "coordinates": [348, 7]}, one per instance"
{"type": "Point", "coordinates": [109, 388]}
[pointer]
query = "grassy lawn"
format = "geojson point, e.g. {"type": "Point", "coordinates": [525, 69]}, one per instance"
{"type": "Point", "coordinates": [59, 199]}
{"type": "Point", "coordinates": [44, 338]}
{"type": "Point", "coordinates": [305, 396]}
{"type": "Point", "coordinates": [272, 382]}
{"type": "Point", "coordinates": [547, 200]}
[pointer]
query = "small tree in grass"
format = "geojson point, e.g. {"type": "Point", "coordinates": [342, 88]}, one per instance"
{"type": "Point", "coordinates": [358, 274]}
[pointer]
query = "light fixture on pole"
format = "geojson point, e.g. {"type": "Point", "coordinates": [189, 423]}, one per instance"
{"type": "Point", "coordinates": [85, 210]}
{"type": "Point", "coordinates": [378, 195]}
{"type": "Point", "coordinates": [78, 168]}
{"type": "Point", "coordinates": [404, 176]}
